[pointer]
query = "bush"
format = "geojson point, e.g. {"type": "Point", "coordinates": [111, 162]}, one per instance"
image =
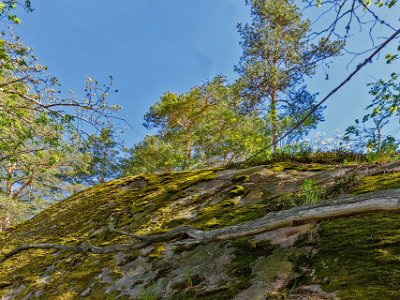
{"type": "Point", "coordinates": [310, 192]}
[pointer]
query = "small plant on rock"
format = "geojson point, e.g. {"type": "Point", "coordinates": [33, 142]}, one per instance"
{"type": "Point", "coordinates": [310, 192]}
{"type": "Point", "coordinates": [344, 184]}
{"type": "Point", "coordinates": [151, 293]}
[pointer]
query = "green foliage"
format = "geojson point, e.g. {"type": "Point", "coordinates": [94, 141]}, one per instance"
{"type": "Point", "coordinates": [343, 185]}
{"type": "Point", "coordinates": [103, 152]}
{"type": "Point", "coordinates": [371, 133]}
{"type": "Point", "coordinates": [8, 6]}
{"type": "Point", "coordinates": [40, 131]}
{"type": "Point", "coordinates": [311, 192]}
{"type": "Point", "coordinates": [149, 294]}
{"type": "Point", "coordinates": [197, 129]}
{"type": "Point", "coordinates": [151, 155]}
{"type": "Point", "coordinates": [276, 55]}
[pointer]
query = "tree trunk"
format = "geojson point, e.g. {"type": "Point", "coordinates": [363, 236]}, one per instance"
{"type": "Point", "coordinates": [274, 121]}
{"type": "Point", "coordinates": [188, 154]}
{"type": "Point", "coordinates": [274, 87]}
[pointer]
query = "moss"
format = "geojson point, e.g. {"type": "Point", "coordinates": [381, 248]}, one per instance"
{"type": "Point", "coordinates": [150, 293]}
{"type": "Point", "coordinates": [175, 223]}
{"type": "Point", "coordinates": [377, 182]}
{"type": "Point", "coordinates": [170, 200]}
{"type": "Point", "coordinates": [280, 167]}
{"type": "Point", "coordinates": [246, 252]}
{"type": "Point", "coordinates": [358, 257]}
{"type": "Point", "coordinates": [343, 185]}
{"type": "Point", "coordinates": [157, 252]}
{"type": "Point", "coordinates": [228, 212]}
{"type": "Point", "coordinates": [287, 165]}
{"type": "Point", "coordinates": [282, 201]}
{"type": "Point", "coordinates": [241, 179]}
{"type": "Point", "coordinates": [223, 214]}
{"type": "Point", "coordinates": [130, 208]}
{"type": "Point", "coordinates": [237, 191]}
{"type": "Point", "coordinates": [224, 292]}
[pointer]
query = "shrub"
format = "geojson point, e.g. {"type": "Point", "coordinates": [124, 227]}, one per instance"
{"type": "Point", "coordinates": [310, 192]}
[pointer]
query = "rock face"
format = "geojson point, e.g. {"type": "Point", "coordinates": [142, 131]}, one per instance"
{"type": "Point", "coordinates": [356, 257]}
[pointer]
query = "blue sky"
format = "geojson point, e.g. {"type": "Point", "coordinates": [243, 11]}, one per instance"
{"type": "Point", "coordinates": [154, 46]}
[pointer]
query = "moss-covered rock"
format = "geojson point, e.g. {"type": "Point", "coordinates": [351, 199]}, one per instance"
{"type": "Point", "coordinates": [358, 257]}
{"type": "Point", "coordinates": [352, 258]}
{"type": "Point", "coordinates": [377, 182]}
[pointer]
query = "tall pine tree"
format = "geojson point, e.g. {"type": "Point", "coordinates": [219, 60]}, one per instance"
{"type": "Point", "coordinates": [276, 56]}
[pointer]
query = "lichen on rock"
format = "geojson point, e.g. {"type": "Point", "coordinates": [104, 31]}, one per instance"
{"type": "Point", "coordinates": [347, 258]}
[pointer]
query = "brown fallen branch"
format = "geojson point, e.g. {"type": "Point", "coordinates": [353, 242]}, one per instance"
{"type": "Point", "coordinates": [342, 207]}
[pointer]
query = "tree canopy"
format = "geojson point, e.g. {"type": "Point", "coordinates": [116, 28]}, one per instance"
{"type": "Point", "coordinates": [200, 128]}
{"type": "Point", "coordinates": [276, 56]}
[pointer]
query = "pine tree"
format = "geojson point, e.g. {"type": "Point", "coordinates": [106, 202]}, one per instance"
{"type": "Point", "coordinates": [276, 56]}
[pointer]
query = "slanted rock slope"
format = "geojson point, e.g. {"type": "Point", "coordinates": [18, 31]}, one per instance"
{"type": "Point", "coordinates": [356, 256]}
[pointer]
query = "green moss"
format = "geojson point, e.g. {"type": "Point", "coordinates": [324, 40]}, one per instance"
{"type": "Point", "coordinates": [280, 167]}
{"type": "Point", "coordinates": [223, 292]}
{"type": "Point", "coordinates": [149, 294]}
{"type": "Point", "coordinates": [343, 185]}
{"type": "Point", "coordinates": [170, 200]}
{"type": "Point", "coordinates": [175, 223]}
{"type": "Point", "coordinates": [377, 182]}
{"type": "Point", "coordinates": [287, 165]}
{"type": "Point", "coordinates": [226, 214]}
{"type": "Point", "coordinates": [157, 252]}
{"type": "Point", "coordinates": [358, 257]}
{"type": "Point", "coordinates": [246, 252]}
{"type": "Point", "coordinates": [237, 191]}
{"type": "Point", "coordinates": [282, 201]}
{"type": "Point", "coordinates": [241, 179]}
{"type": "Point", "coordinates": [130, 208]}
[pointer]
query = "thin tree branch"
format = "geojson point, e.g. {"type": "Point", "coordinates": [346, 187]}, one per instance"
{"type": "Point", "coordinates": [13, 81]}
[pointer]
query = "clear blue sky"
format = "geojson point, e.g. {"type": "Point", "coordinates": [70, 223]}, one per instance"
{"type": "Point", "coordinates": [153, 46]}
